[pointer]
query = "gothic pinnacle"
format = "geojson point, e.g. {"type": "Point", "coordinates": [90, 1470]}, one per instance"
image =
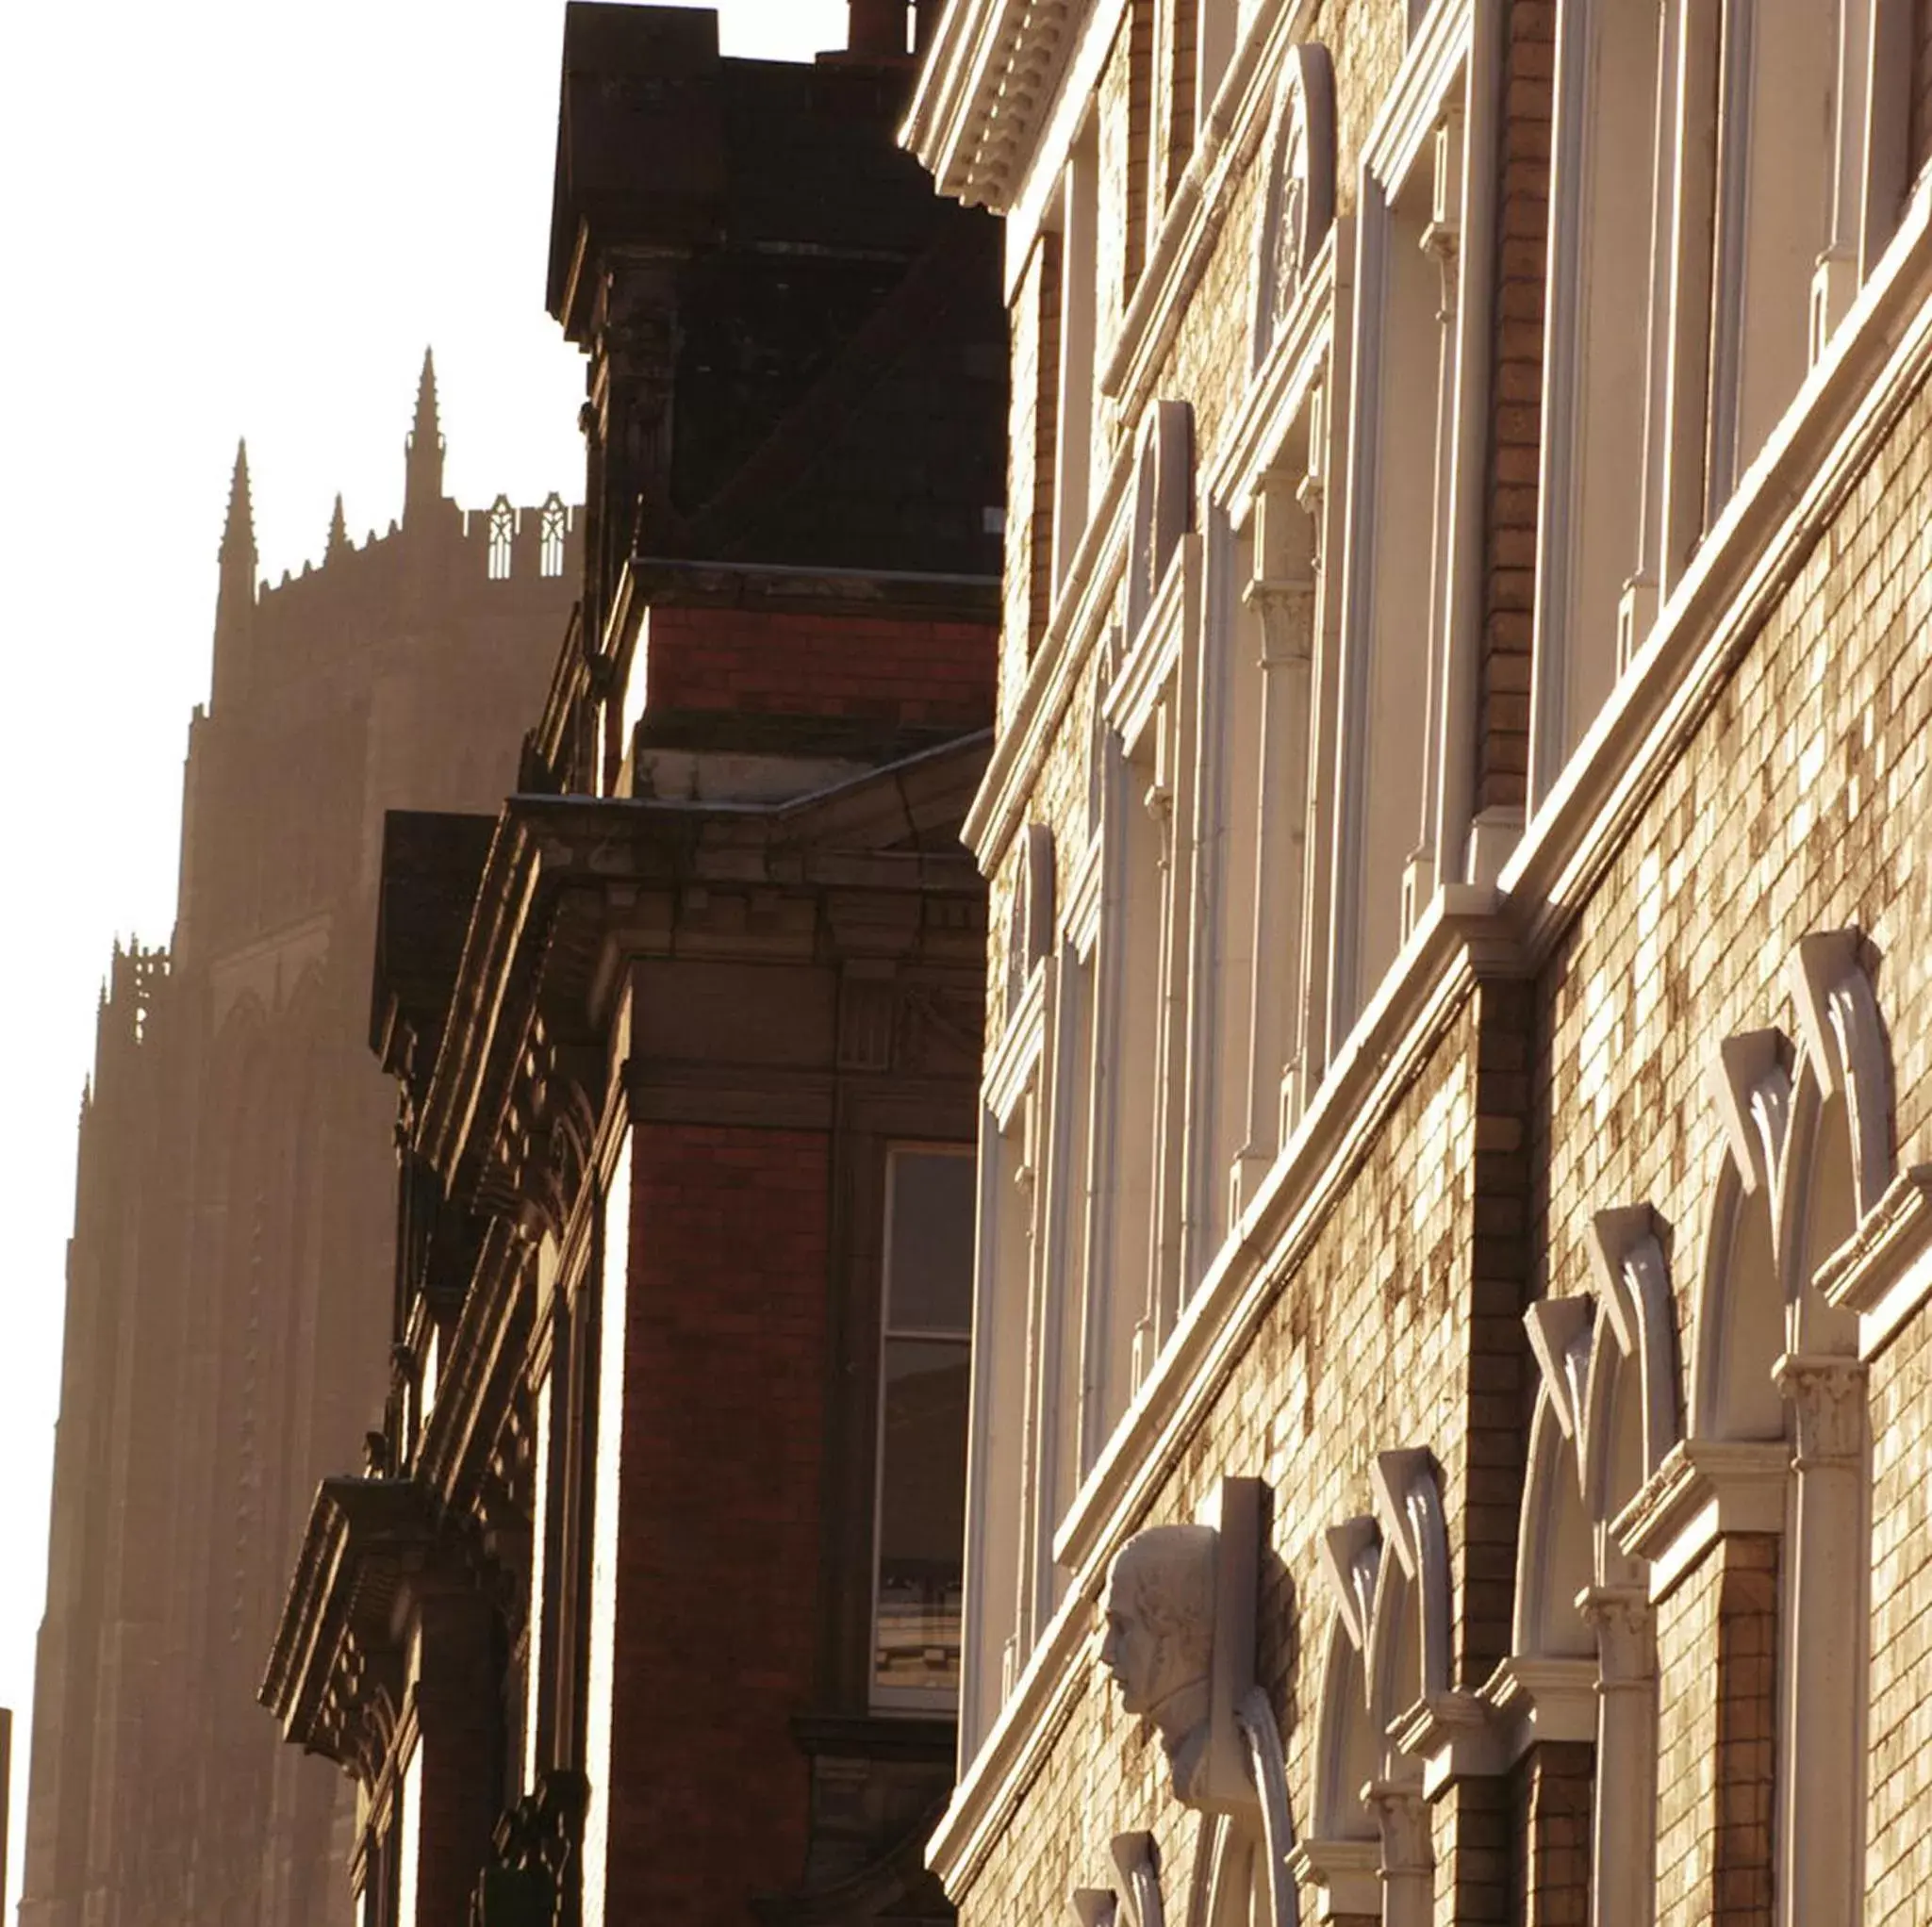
{"type": "Point", "coordinates": [338, 533]}
{"type": "Point", "coordinates": [237, 535]}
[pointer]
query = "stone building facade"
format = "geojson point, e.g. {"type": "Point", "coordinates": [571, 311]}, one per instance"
{"type": "Point", "coordinates": [233, 1217]}
{"type": "Point", "coordinates": [1448, 1411]}
{"type": "Point", "coordinates": [646, 1602]}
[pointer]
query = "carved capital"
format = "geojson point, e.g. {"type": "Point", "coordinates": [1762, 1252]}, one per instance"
{"type": "Point", "coordinates": [1402, 1814]}
{"type": "Point", "coordinates": [1625, 1625]}
{"type": "Point", "coordinates": [1827, 1399]}
{"type": "Point", "coordinates": [1287, 610]}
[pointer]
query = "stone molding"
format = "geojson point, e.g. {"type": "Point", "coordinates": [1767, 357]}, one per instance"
{"type": "Point", "coordinates": [1533, 1700]}
{"type": "Point", "coordinates": [1882, 1271]}
{"type": "Point", "coordinates": [1347, 1873]}
{"type": "Point", "coordinates": [1704, 1489]}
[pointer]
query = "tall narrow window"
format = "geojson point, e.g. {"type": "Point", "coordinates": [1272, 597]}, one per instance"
{"type": "Point", "coordinates": [922, 1426]}
{"type": "Point", "coordinates": [1140, 120]}
{"type": "Point", "coordinates": [1182, 70]}
{"type": "Point", "coordinates": [550, 552]}
{"type": "Point", "coordinates": [1079, 286]}
{"type": "Point", "coordinates": [502, 533]}
{"type": "Point", "coordinates": [1045, 437]}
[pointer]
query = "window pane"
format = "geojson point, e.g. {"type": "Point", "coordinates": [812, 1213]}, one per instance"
{"type": "Point", "coordinates": [930, 1265]}
{"type": "Point", "coordinates": [921, 1514]}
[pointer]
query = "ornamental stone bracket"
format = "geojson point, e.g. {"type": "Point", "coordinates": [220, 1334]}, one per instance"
{"type": "Point", "coordinates": [1096, 1906]}
{"type": "Point", "coordinates": [1138, 1858]}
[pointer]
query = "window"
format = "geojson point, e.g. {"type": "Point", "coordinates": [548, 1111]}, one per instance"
{"type": "Point", "coordinates": [923, 1378]}
{"type": "Point", "coordinates": [550, 552]}
{"type": "Point", "coordinates": [502, 533]}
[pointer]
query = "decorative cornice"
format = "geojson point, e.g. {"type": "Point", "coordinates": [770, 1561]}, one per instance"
{"type": "Point", "coordinates": [983, 92]}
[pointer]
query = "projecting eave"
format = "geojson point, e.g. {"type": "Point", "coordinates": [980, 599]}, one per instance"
{"type": "Point", "coordinates": [333, 1678]}
{"type": "Point", "coordinates": [558, 893]}
{"type": "Point", "coordinates": [983, 93]}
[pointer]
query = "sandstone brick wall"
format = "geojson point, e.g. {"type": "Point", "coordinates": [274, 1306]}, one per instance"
{"type": "Point", "coordinates": [793, 662]}
{"type": "Point", "coordinates": [723, 1446]}
{"type": "Point", "coordinates": [1686, 1656]}
{"type": "Point", "coordinates": [1799, 807]}
{"type": "Point", "coordinates": [1898, 1879]}
{"type": "Point", "coordinates": [1361, 1351]}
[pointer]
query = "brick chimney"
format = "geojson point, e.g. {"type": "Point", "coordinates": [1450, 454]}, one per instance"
{"type": "Point", "coordinates": [878, 29]}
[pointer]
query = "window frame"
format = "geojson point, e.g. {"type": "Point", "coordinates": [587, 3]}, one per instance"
{"type": "Point", "coordinates": [904, 1701]}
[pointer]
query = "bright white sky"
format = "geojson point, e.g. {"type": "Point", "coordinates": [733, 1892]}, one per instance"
{"type": "Point", "coordinates": [222, 218]}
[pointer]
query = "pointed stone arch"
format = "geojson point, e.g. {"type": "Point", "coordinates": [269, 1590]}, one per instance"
{"type": "Point", "coordinates": [1738, 1321]}
{"type": "Point", "coordinates": [1554, 1558]}
{"type": "Point", "coordinates": [1300, 203]}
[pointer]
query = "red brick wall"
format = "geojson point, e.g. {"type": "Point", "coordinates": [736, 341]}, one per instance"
{"type": "Point", "coordinates": [718, 1559]}
{"type": "Point", "coordinates": [461, 1719]}
{"type": "Point", "coordinates": [807, 665]}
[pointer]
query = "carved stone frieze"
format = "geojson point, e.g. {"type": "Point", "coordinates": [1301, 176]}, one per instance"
{"type": "Point", "coordinates": [1302, 187]}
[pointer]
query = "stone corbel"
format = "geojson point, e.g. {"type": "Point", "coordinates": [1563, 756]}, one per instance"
{"type": "Point", "coordinates": [1096, 1906]}
{"type": "Point", "coordinates": [1752, 1089]}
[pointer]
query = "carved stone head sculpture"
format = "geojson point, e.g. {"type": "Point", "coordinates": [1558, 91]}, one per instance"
{"type": "Point", "coordinates": [1159, 1641]}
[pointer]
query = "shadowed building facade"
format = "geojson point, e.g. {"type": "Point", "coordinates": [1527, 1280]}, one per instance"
{"type": "Point", "coordinates": [646, 1605]}
{"type": "Point", "coordinates": [233, 1225]}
